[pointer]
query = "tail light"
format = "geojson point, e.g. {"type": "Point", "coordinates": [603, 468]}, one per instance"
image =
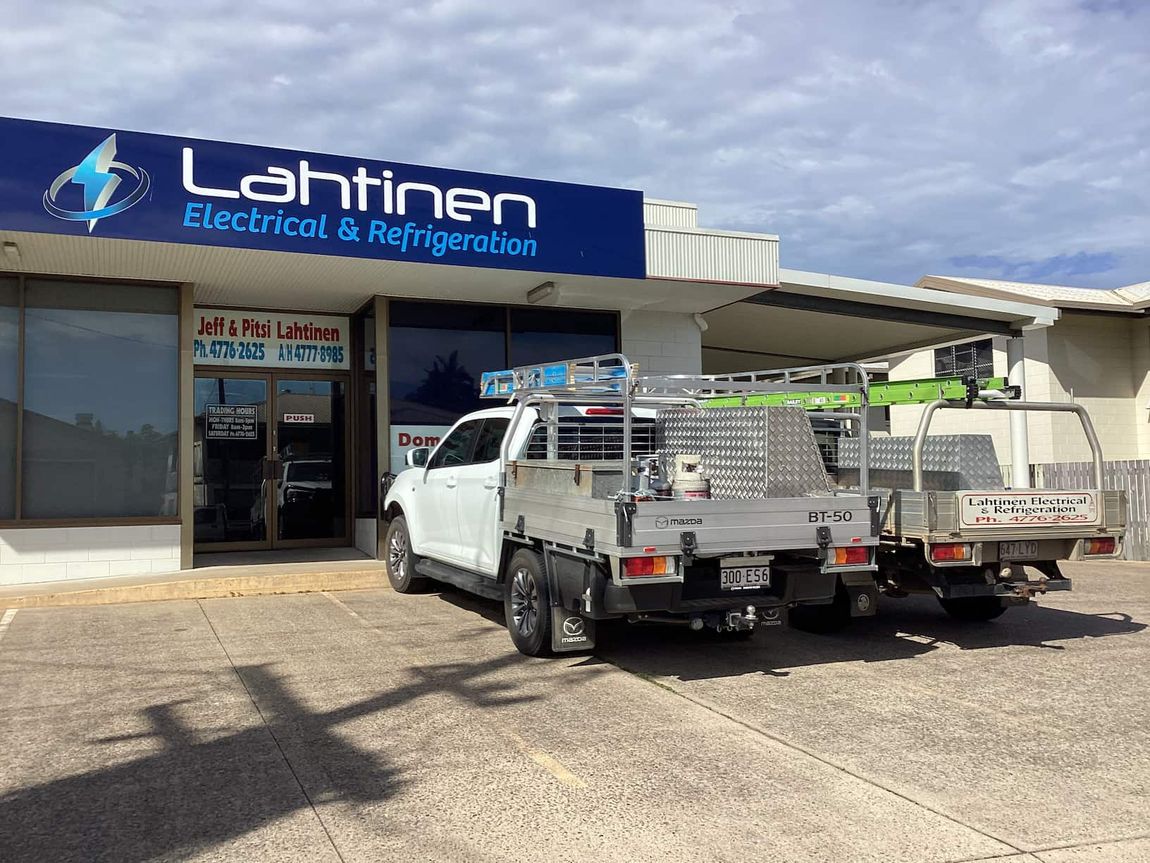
{"type": "Point", "coordinates": [1101, 545]}
{"type": "Point", "coordinates": [950, 551]}
{"type": "Point", "coordinates": [853, 555]}
{"type": "Point", "coordinates": [640, 567]}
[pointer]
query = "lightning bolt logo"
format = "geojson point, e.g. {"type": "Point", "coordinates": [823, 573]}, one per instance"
{"type": "Point", "coordinates": [99, 175]}
{"type": "Point", "coordinates": [93, 175]}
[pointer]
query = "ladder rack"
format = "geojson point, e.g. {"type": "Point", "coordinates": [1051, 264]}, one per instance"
{"type": "Point", "coordinates": [606, 373]}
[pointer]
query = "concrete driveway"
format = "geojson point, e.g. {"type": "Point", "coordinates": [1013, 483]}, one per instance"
{"type": "Point", "coordinates": [371, 726]}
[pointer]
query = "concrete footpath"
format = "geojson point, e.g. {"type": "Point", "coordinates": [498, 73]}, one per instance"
{"type": "Point", "coordinates": [367, 725]}
{"type": "Point", "coordinates": [215, 575]}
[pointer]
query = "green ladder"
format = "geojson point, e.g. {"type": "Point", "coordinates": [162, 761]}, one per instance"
{"type": "Point", "coordinates": [881, 394]}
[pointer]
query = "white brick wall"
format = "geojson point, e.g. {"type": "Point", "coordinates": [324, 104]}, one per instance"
{"type": "Point", "coordinates": [29, 555]}
{"type": "Point", "coordinates": [663, 342]}
{"type": "Point", "coordinates": [1140, 355]}
{"type": "Point", "coordinates": [1102, 363]}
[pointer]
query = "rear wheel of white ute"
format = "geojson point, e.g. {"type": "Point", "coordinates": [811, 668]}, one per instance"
{"type": "Point", "coordinates": [527, 603]}
{"type": "Point", "coordinates": [399, 560]}
{"type": "Point", "coordinates": [974, 609]}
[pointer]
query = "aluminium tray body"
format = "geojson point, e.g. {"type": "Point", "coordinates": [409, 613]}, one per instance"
{"type": "Point", "coordinates": [748, 452]}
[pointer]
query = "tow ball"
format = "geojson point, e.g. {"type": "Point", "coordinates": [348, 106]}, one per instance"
{"type": "Point", "coordinates": [746, 618]}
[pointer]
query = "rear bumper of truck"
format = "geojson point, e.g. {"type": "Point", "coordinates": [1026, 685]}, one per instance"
{"type": "Point", "coordinates": [699, 591]}
{"type": "Point", "coordinates": [590, 590]}
{"type": "Point", "coordinates": [940, 518]}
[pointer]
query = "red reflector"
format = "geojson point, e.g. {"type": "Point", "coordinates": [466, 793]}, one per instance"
{"type": "Point", "coordinates": [603, 412]}
{"type": "Point", "coordinates": [648, 548]}
{"type": "Point", "coordinates": [1101, 545]}
{"type": "Point", "coordinates": [950, 551]}
{"type": "Point", "coordinates": [633, 566]}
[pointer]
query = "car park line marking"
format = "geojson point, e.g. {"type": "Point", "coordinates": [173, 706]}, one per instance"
{"type": "Point", "coordinates": [6, 620]}
{"type": "Point", "coordinates": [548, 762]}
{"type": "Point", "coordinates": [271, 732]}
{"type": "Point", "coordinates": [345, 607]}
{"type": "Point", "coordinates": [552, 765]}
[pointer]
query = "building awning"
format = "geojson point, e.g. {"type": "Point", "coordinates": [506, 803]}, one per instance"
{"type": "Point", "coordinates": [817, 318]}
{"type": "Point", "coordinates": [689, 269]}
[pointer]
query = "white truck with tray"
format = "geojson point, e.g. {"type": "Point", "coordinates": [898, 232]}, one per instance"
{"type": "Point", "coordinates": [560, 504]}
{"type": "Point", "coordinates": [949, 526]}
{"type": "Point", "coordinates": [972, 546]}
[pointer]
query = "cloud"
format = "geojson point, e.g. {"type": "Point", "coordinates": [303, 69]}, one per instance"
{"type": "Point", "coordinates": [1061, 269]}
{"type": "Point", "coordinates": [884, 140]}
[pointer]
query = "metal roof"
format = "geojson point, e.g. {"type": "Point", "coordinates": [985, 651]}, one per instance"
{"type": "Point", "coordinates": [1132, 298]}
{"type": "Point", "coordinates": [818, 317]}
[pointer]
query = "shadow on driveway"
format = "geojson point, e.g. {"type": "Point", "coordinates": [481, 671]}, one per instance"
{"type": "Point", "coordinates": [193, 794]}
{"type": "Point", "coordinates": [902, 629]}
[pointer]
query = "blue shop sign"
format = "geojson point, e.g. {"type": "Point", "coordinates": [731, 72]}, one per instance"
{"type": "Point", "coordinates": [76, 180]}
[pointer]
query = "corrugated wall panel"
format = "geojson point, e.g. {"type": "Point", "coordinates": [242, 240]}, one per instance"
{"type": "Point", "coordinates": [670, 214]}
{"type": "Point", "coordinates": [706, 256]}
{"type": "Point", "coordinates": [1133, 477]}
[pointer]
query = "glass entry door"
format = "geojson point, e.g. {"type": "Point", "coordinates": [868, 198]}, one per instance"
{"type": "Point", "coordinates": [270, 461]}
{"type": "Point", "coordinates": [310, 464]}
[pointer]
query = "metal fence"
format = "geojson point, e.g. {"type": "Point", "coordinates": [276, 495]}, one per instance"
{"type": "Point", "coordinates": [1133, 477]}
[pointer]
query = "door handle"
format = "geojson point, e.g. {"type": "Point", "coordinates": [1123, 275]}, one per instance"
{"type": "Point", "coordinates": [451, 482]}
{"type": "Point", "coordinates": [491, 482]}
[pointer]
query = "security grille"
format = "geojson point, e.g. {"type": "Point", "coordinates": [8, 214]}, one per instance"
{"type": "Point", "coordinates": [585, 439]}
{"type": "Point", "coordinates": [973, 359]}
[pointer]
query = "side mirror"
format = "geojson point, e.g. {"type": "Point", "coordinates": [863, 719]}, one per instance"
{"type": "Point", "coordinates": [417, 457]}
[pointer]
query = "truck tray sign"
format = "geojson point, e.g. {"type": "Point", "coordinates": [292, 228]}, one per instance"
{"type": "Point", "coordinates": [1045, 508]}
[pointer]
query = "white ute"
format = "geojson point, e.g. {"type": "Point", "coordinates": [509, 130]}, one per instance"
{"type": "Point", "coordinates": [562, 504]}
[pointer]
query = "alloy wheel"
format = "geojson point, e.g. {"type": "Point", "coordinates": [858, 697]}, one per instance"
{"type": "Point", "coordinates": [397, 553]}
{"type": "Point", "coordinates": [524, 602]}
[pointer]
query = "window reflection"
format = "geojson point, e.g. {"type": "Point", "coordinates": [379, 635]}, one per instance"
{"type": "Point", "coordinates": [437, 352]}
{"type": "Point", "coordinates": [228, 461]}
{"type": "Point", "coordinates": [100, 401]}
{"type": "Point", "coordinates": [540, 335]}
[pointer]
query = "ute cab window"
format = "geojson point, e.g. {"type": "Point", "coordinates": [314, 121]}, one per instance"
{"type": "Point", "coordinates": [489, 441]}
{"type": "Point", "coordinates": [456, 448]}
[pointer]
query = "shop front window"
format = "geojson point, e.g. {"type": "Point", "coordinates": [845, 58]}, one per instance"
{"type": "Point", "coordinates": [437, 352]}
{"type": "Point", "coordinates": [100, 402]}
{"type": "Point", "coordinates": [540, 335]}
{"type": "Point", "coordinates": [9, 385]}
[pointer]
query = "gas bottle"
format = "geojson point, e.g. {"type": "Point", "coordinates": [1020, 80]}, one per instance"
{"type": "Point", "coordinates": [688, 483]}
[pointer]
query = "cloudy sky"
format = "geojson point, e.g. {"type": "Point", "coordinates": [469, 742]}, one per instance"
{"type": "Point", "coordinates": [879, 138]}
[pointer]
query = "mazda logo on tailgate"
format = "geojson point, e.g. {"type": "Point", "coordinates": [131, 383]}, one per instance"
{"type": "Point", "coordinates": [661, 522]}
